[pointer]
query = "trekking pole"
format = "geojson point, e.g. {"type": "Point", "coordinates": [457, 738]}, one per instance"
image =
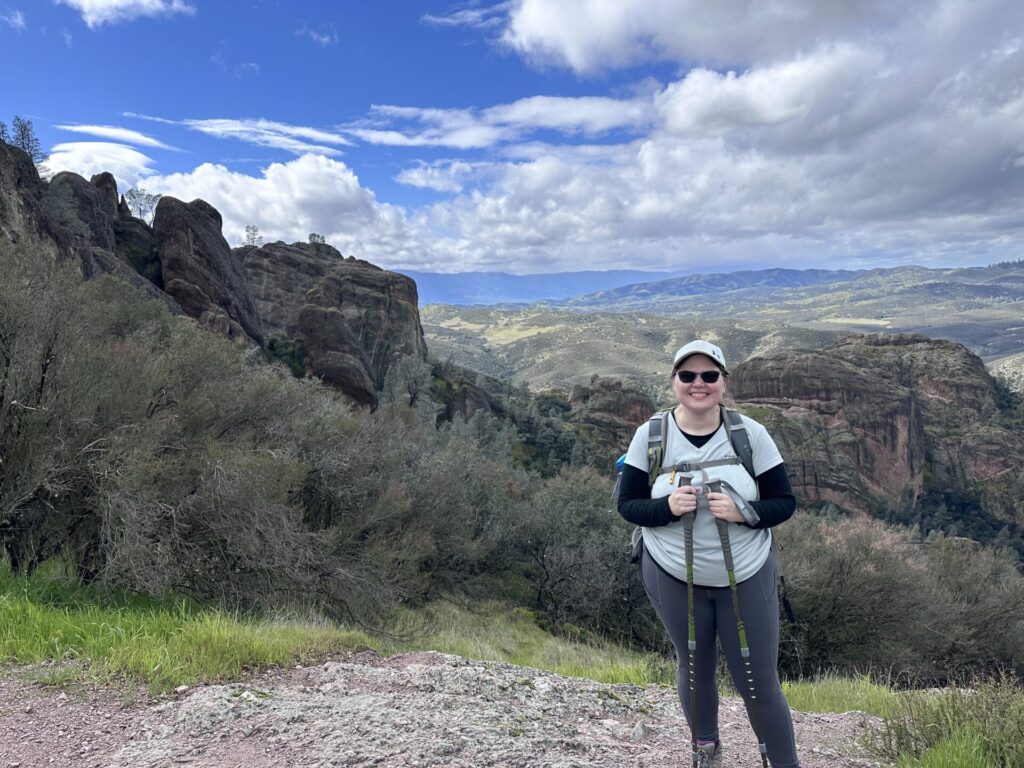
{"type": "Point", "coordinates": [691, 643]}
{"type": "Point", "coordinates": [723, 534]}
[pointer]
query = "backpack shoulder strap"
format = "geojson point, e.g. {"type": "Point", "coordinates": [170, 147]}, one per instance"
{"type": "Point", "coordinates": [738, 438]}
{"type": "Point", "coordinates": [657, 428]}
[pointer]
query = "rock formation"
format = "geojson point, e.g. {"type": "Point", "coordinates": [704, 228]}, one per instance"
{"type": "Point", "coordinates": [609, 411]}
{"type": "Point", "coordinates": [352, 319]}
{"type": "Point", "coordinates": [68, 219]}
{"type": "Point", "coordinates": [200, 272]}
{"type": "Point", "coordinates": [880, 423]}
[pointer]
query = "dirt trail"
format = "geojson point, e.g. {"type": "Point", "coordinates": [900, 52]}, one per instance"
{"type": "Point", "coordinates": [417, 710]}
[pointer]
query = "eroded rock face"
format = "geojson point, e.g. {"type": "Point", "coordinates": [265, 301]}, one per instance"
{"type": "Point", "coordinates": [610, 410]}
{"type": "Point", "coordinates": [876, 423]}
{"type": "Point", "coordinates": [353, 319]}
{"type": "Point", "coordinates": [25, 222]}
{"type": "Point", "coordinates": [200, 272]}
{"type": "Point", "coordinates": [69, 219]}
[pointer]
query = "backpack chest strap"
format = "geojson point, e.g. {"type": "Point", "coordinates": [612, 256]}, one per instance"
{"type": "Point", "coordinates": [686, 466]}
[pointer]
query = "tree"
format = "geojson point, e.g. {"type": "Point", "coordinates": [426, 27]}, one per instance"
{"type": "Point", "coordinates": [317, 239]}
{"type": "Point", "coordinates": [3, 132]}
{"type": "Point", "coordinates": [252, 235]}
{"type": "Point", "coordinates": [25, 138]}
{"type": "Point", "coordinates": [141, 203]}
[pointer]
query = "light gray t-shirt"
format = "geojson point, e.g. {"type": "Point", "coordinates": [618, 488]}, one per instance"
{"type": "Point", "coordinates": [750, 546]}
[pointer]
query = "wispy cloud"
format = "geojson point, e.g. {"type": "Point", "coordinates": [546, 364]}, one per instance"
{"type": "Point", "coordinates": [486, 17]}
{"type": "Point", "coordinates": [477, 129]}
{"type": "Point", "coordinates": [14, 19]}
{"type": "Point", "coordinates": [96, 13]}
{"type": "Point", "coordinates": [246, 68]}
{"type": "Point", "coordinates": [126, 135]}
{"type": "Point", "coordinates": [322, 34]}
{"type": "Point", "coordinates": [296, 139]}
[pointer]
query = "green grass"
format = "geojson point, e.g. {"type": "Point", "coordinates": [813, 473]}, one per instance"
{"type": "Point", "coordinates": [978, 726]}
{"type": "Point", "coordinates": [838, 694]}
{"type": "Point", "coordinates": [162, 644]}
{"type": "Point", "coordinates": [494, 632]}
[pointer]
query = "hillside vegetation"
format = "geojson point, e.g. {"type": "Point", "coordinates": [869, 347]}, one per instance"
{"type": "Point", "coordinates": [156, 457]}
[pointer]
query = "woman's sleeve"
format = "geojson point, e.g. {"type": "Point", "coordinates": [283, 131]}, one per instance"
{"type": "Point", "coordinates": [777, 502]}
{"type": "Point", "coordinates": [635, 502]}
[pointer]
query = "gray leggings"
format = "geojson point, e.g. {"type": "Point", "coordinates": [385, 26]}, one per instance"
{"type": "Point", "coordinates": [713, 615]}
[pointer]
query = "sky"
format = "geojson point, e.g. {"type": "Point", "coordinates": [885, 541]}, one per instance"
{"type": "Point", "coordinates": [541, 136]}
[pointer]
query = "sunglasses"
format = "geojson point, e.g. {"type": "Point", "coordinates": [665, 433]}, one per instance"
{"type": "Point", "coordinates": [708, 377]}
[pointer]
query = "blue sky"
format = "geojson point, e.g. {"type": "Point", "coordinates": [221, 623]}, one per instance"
{"type": "Point", "coordinates": [541, 136]}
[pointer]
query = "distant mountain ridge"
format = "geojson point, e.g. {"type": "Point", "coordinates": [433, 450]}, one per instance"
{"type": "Point", "coordinates": [488, 288]}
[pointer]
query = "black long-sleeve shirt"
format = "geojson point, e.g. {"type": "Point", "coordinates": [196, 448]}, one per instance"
{"type": "Point", "coordinates": [775, 505]}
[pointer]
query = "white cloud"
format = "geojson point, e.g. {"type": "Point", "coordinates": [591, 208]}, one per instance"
{"type": "Point", "coordinates": [117, 134]}
{"type": "Point", "coordinates": [289, 200]}
{"type": "Point", "coordinates": [14, 19]}
{"type": "Point", "coordinates": [592, 35]}
{"type": "Point", "coordinates": [444, 176]}
{"type": "Point", "coordinates": [96, 13]}
{"type": "Point", "coordinates": [296, 139]}
{"type": "Point", "coordinates": [476, 129]}
{"type": "Point", "coordinates": [246, 68]}
{"type": "Point", "coordinates": [323, 34]}
{"type": "Point", "coordinates": [487, 17]}
{"type": "Point", "coordinates": [128, 165]}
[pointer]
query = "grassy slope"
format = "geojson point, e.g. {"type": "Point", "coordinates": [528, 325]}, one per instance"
{"type": "Point", "coordinates": [168, 643]}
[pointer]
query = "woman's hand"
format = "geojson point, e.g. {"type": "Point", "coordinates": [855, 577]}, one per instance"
{"type": "Point", "coordinates": [683, 500]}
{"type": "Point", "coordinates": [723, 507]}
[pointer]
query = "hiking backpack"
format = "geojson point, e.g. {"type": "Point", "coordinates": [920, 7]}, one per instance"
{"type": "Point", "coordinates": [657, 430]}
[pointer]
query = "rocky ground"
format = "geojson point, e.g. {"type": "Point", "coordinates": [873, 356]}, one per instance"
{"type": "Point", "coordinates": [417, 710]}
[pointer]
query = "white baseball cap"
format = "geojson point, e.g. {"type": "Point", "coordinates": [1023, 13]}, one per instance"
{"type": "Point", "coordinates": [700, 347]}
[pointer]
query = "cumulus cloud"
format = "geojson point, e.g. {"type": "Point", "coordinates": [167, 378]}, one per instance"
{"type": "Point", "coordinates": [118, 134]}
{"type": "Point", "coordinates": [833, 135]}
{"type": "Point", "coordinates": [127, 164]}
{"type": "Point", "coordinates": [590, 35]}
{"type": "Point", "coordinates": [442, 176]}
{"type": "Point", "coordinates": [96, 13]}
{"type": "Point", "coordinates": [289, 200]}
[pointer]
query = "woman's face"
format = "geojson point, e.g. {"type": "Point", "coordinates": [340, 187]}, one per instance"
{"type": "Point", "coordinates": [699, 396]}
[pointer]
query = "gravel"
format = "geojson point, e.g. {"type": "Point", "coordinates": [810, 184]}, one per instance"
{"type": "Point", "coordinates": [420, 710]}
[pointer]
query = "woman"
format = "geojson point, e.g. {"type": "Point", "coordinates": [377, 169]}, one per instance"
{"type": "Point", "coordinates": [749, 507]}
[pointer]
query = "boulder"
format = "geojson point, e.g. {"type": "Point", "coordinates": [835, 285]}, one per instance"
{"type": "Point", "coordinates": [354, 320]}
{"type": "Point", "coordinates": [200, 272]}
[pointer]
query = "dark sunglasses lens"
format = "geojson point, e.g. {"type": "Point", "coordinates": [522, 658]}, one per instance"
{"type": "Point", "coordinates": [688, 377]}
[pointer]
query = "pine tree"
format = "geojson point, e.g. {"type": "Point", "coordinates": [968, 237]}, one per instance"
{"type": "Point", "coordinates": [25, 138]}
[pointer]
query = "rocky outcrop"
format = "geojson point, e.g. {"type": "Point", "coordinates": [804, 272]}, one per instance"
{"type": "Point", "coordinates": [609, 411]}
{"type": "Point", "coordinates": [200, 272]}
{"type": "Point", "coordinates": [25, 222]}
{"type": "Point", "coordinates": [68, 219]}
{"type": "Point", "coordinates": [879, 423]}
{"type": "Point", "coordinates": [353, 319]}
